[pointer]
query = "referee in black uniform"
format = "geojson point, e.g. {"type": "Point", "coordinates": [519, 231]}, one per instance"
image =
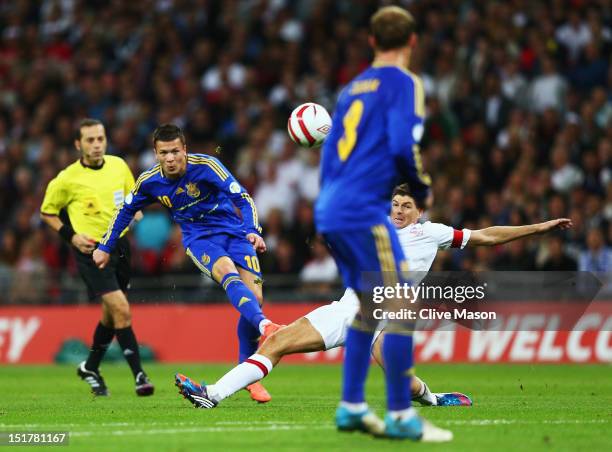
{"type": "Point", "coordinates": [90, 190]}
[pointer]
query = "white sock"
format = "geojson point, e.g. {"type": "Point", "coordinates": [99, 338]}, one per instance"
{"type": "Point", "coordinates": [428, 397]}
{"type": "Point", "coordinates": [354, 407]}
{"type": "Point", "coordinates": [403, 414]}
{"type": "Point", "coordinates": [262, 325]}
{"type": "Point", "coordinates": [253, 369]}
{"type": "Point", "coordinates": [425, 396]}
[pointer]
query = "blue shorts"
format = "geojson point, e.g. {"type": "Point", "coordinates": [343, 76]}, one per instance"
{"type": "Point", "coordinates": [206, 251]}
{"type": "Point", "coordinates": [373, 250]}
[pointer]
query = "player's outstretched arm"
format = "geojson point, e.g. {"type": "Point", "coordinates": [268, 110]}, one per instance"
{"type": "Point", "coordinates": [134, 202]}
{"type": "Point", "coordinates": [120, 221]}
{"type": "Point", "coordinates": [100, 257]}
{"type": "Point", "coordinates": [496, 235]}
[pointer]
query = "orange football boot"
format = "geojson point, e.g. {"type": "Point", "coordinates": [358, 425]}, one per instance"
{"type": "Point", "coordinates": [258, 392]}
{"type": "Point", "coordinates": [270, 329]}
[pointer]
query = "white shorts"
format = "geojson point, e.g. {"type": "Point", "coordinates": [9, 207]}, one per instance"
{"type": "Point", "coordinates": [332, 320]}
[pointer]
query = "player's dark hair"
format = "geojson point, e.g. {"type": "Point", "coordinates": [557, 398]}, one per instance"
{"type": "Point", "coordinates": [87, 122]}
{"type": "Point", "coordinates": [404, 190]}
{"type": "Point", "coordinates": [168, 132]}
{"type": "Point", "coordinates": [401, 190]}
{"type": "Point", "coordinates": [391, 27]}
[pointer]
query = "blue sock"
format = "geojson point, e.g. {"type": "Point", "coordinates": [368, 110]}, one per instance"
{"type": "Point", "coordinates": [248, 336]}
{"type": "Point", "coordinates": [243, 299]}
{"type": "Point", "coordinates": [397, 356]}
{"type": "Point", "coordinates": [356, 364]}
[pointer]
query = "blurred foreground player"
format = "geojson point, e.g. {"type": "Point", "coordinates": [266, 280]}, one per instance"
{"type": "Point", "coordinates": [373, 145]}
{"type": "Point", "coordinates": [201, 196]}
{"type": "Point", "coordinates": [325, 327]}
{"type": "Point", "coordinates": [90, 190]}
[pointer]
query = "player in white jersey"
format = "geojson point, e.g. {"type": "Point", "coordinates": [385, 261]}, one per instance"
{"type": "Point", "coordinates": [325, 327]}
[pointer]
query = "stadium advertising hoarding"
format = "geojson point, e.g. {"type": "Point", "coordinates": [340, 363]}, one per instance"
{"type": "Point", "coordinates": [527, 332]}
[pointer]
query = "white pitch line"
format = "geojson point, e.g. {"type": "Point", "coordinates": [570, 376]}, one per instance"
{"type": "Point", "coordinates": [164, 424]}
{"type": "Point", "coordinates": [50, 426]}
{"type": "Point", "coordinates": [449, 422]}
{"type": "Point", "coordinates": [480, 422]}
{"type": "Point", "coordinates": [166, 431]}
{"type": "Point", "coordinates": [266, 422]}
{"type": "Point", "coordinates": [226, 426]}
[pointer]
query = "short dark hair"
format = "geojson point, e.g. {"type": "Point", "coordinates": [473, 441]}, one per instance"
{"type": "Point", "coordinates": [168, 132]}
{"type": "Point", "coordinates": [391, 27]}
{"type": "Point", "coordinates": [401, 190]}
{"type": "Point", "coordinates": [404, 190]}
{"type": "Point", "coordinates": [87, 122]}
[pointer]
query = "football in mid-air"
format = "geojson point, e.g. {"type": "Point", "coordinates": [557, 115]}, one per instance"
{"type": "Point", "coordinates": [309, 124]}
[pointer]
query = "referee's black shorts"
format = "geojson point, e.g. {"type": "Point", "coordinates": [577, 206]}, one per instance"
{"type": "Point", "coordinates": [115, 276]}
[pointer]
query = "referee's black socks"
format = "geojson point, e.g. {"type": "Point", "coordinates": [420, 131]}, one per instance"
{"type": "Point", "coordinates": [103, 336]}
{"type": "Point", "coordinates": [127, 342]}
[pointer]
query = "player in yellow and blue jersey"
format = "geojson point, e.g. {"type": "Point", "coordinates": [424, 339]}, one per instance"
{"type": "Point", "coordinates": [374, 145]}
{"type": "Point", "coordinates": [201, 196]}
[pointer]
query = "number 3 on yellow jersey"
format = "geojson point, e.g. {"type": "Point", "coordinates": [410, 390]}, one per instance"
{"type": "Point", "coordinates": [350, 122]}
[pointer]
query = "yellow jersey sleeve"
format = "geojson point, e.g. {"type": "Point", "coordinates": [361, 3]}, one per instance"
{"type": "Point", "coordinates": [56, 198]}
{"type": "Point", "coordinates": [129, 180]}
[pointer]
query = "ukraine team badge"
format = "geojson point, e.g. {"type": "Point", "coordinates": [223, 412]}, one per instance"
{"type": "Point", "coordinates": [192, 190]}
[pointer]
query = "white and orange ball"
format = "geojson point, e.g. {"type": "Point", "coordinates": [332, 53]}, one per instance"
{"type": "Point", "coordinates": [309, 124]}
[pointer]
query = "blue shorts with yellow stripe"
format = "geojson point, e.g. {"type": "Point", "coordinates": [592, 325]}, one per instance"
{"type": "Point", "coordinates": [204, 252]}
{"type": "Point", "coordinates": [373, 250]}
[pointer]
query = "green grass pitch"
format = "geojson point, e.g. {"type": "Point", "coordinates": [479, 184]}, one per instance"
{"type": "Point", "coordinates": [517, 407]}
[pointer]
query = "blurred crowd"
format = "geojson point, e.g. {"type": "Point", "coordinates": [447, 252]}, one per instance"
{"type": "Point", "coordinates": [518, 128]}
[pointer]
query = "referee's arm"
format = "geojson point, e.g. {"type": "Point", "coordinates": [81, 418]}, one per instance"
{"type": "Point", "coordinates": [82, 242]}
{"type": "Point", "coordinates": [57, 198]}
